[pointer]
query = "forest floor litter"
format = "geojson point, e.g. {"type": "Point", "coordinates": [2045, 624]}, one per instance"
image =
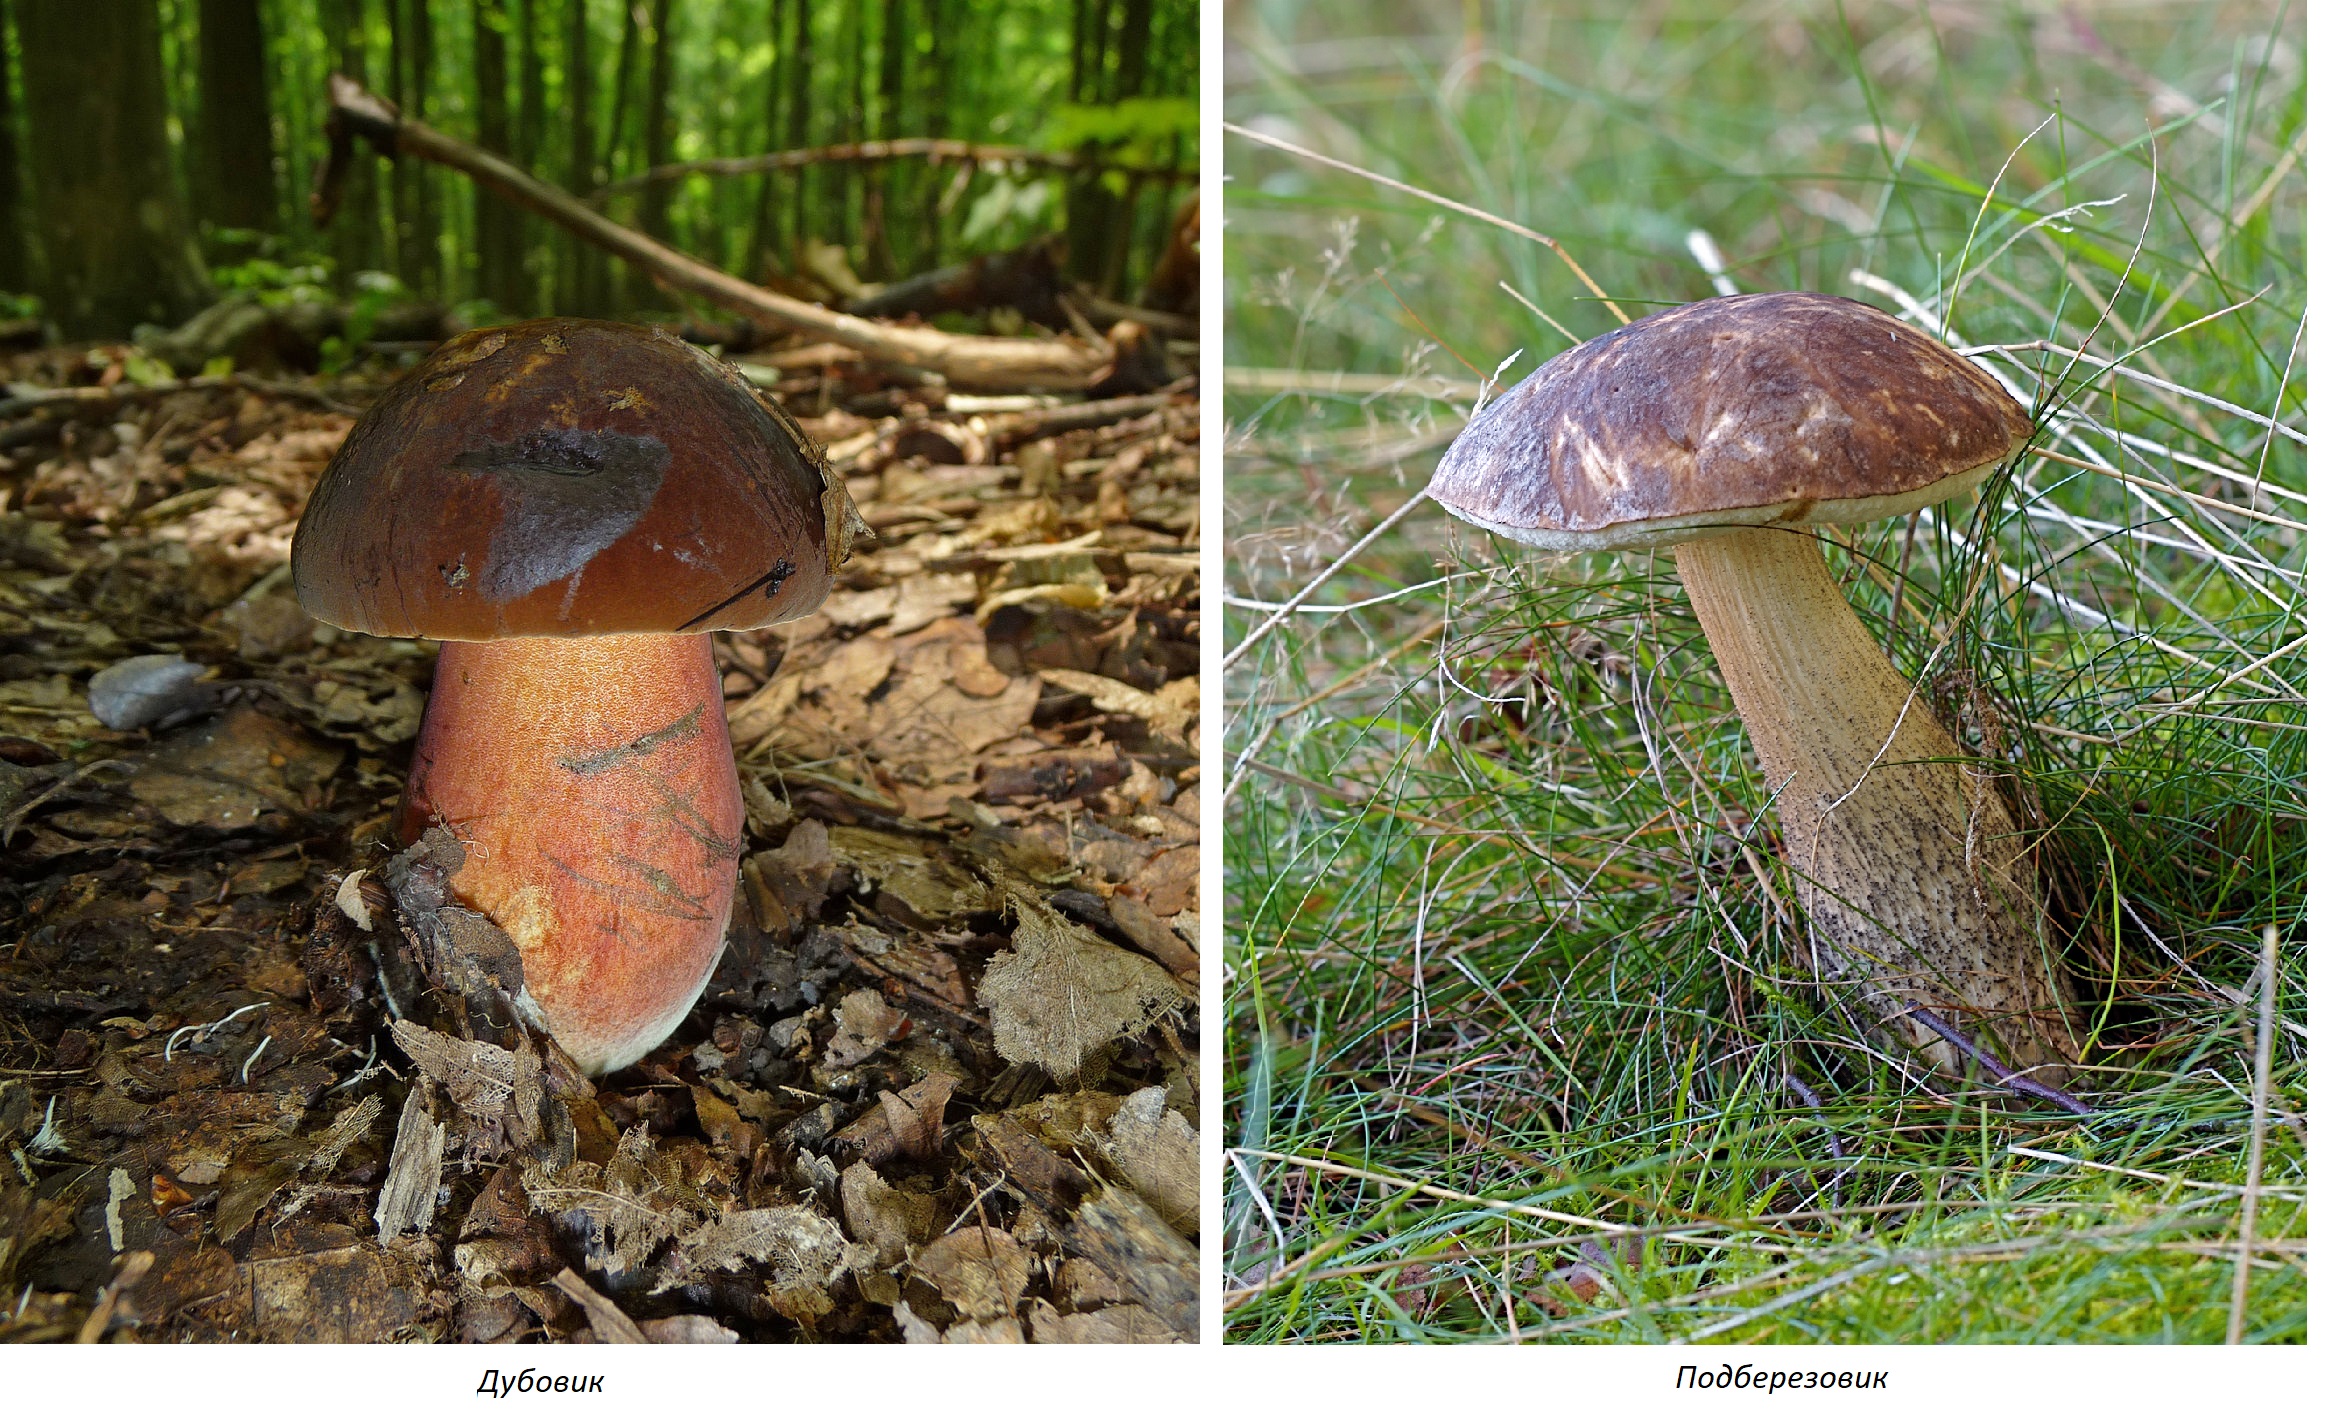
{"type": "Point", "coordinates": [943, 1084]}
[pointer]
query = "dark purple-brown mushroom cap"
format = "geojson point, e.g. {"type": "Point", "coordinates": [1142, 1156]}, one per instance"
{"type": "Point", "coordinates": [566, 478]}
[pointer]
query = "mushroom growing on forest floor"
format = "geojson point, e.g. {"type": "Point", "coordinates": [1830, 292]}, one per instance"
{"type": "Point", "coordinates": [1726, 429]}
{"type": "Point", "coordinates": [572, 508]}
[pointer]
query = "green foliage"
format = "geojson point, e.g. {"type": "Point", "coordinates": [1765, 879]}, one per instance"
{"type": "Point", "coordinates": [275, 283]}
{"type": "Point", "coordinates": [375, 292]}
{"type": "Point", "coordinates": [1137, 131]}
{"type": "Point", "coordinates": [1009, 212]}
{"type": "Point", "coordinates": [740, 81]}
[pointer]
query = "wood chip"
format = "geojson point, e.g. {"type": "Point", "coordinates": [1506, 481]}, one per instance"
{"type": "Point", "coordinates": [415, 1167]}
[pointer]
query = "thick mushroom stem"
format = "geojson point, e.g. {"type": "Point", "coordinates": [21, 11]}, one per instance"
{"type": "Point", "coordinates": [592, 783]}
{"type": "Point", "coordinates": [1921, 892]}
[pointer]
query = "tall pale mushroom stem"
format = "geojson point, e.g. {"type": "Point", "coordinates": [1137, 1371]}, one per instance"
{"type": "Point", "coordinates": [1921, 891]}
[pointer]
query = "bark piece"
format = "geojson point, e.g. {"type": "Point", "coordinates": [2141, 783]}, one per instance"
{"type": "Point", "coordinates": [687, 1328]}
{"type": "Point", "coordinates": [1155, 937]}
{"type": "Point", "coordinates": [415, 1167]}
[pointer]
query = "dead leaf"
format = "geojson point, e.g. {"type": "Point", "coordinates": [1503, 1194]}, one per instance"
{"type": "Point", "coordinates": [1117, 1230]}
{"type": "Point", "coordinates": [625, 1209]}
{"type": "Point", "coordinates": [924, 599]}
{"type": "Point", "coordinates": [851, 610]}
{"type": "Point", "coordinates": [240, 771]}
{"type": "Point", "coordinates": [854, 669]}
{"type": "Point", "coordinates": [915, 1328]}
{"type": "Point", "coordinates": [479, 1076]}
{"type": "Point", "coordinates": [609, 1322]}
{"type": "Point", "coordinates": [981, 1270]}
{"type": "Point", "coordinates": [1119, 1323]}
{"type": "Point", "coordinates": [888, 1221]}
{"type": "Point", "coordinates": [1155, 1150]}
{"type": "Point", "coordinates": [687, 1328]}
{"type": "Point", "coordinates": [1168, 881]}
{"type": "Point", "coordinates": [928, 720]}
{"type": "Point", "coordinates": [796, 1243]}
{"type": "Point", "coordinates": [303, 1290]}
{"type": "Point", "coordinates": [787, 886]}
{"type": "Point", "coordinates": [906, 1123]}
{"type": "Point", "coordinates": [1153, 936]}
{"type": "Point", "coordinates": [1167, 712]}
{"type": "Point", "coordinates": [867, 1023]}
{"type": "Point", "coordinates": [1062, 993]}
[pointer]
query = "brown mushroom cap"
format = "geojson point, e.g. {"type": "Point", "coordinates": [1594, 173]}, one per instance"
{"type": "Point", "coordinates": [1781, 408]}
{"type": "Point", "coordinates": [566, 478]}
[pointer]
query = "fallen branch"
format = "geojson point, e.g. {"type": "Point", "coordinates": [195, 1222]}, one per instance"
{"type": "Point", "coordinates": [84, 401]}
{"type": "Point", "coordinates": [1016, 428]}
{"type": "Point", "coordinates": [1163, 323]}
{"type": "Point", "coordinates": [935, 150]}
{"type": "Point", "coordinates": [1025, 278]}
{"type": "Point", "coordinates": [966, 362]}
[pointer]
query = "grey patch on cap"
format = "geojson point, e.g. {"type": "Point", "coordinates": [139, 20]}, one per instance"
{"type": "Point", "coordinates": [567, 495]}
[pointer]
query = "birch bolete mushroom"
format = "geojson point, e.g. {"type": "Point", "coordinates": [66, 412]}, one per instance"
{"type": "Point", "coordinates": [1728, 429]}
{"type": "Point", "coordinates": [572, 507]}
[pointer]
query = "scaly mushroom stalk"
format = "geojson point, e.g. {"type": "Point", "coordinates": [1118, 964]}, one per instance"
{"type": "Point", "coordinates": [1920, 890]}
{"type": "Point", "coordinates": [591, 782]}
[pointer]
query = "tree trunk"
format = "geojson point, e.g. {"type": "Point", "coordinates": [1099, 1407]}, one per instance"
{"type": "Point", "coordinates": [237, 156]}
{"type": "Point", "coordinates": [938, 116]}
{"type": "Point", "coordinates": [654, 217]}
{"type": "Point", "coordinates": [582, 270]}
{"type": "Point", "coordinates": [354, 242]}
{"type": "Point", "coordinates": [796, 116]}
{"type": "Point", "coordinates": [881, 255]}
{"type": "Point", "coordinates": [1088, 202]}
{"type": "Point", "coordinates": [1131, 82]}
{"type": "Point", "coordinates": [113, 230]}
{"type": "Point", "coordinates": [626, 59]}
{"type": "Point", "coordinates": [410, 59]}
{"type": "Point", "coordinates": [426, 273]}
{"type": "Point", "coordinates": [15, 271]}
{"type": "Point", "coordinates": [496, 223]}
{"type": "Point", "coordinates": [532, 105]}
{"type": "Point", "coordinates": [844, 204]}
{"type": "Point", "coordinates": [764, 211]}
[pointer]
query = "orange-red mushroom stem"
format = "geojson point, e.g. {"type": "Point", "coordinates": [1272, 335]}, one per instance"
{"type": "Point", "coordinates": [591, 782]}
